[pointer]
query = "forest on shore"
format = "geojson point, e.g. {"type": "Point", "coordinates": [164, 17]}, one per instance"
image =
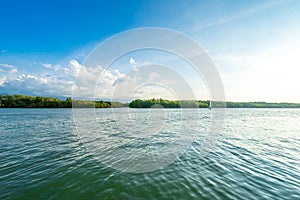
{"type": "Point", "coordinates": [205, 104]}
{"type": "Point", "coordinates": [23, 101]}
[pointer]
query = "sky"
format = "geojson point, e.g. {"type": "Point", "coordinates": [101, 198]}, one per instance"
{"type": "Point", "coordinates": [254, 45]}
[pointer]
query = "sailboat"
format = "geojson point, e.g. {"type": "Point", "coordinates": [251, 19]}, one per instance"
{"type": "Point", "coordinates": [209, 107]}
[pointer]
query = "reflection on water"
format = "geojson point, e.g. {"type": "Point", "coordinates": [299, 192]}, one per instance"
{"type": "Point", "coordinates": [43, 157]}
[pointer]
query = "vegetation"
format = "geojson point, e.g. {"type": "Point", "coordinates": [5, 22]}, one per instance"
{"type": "Point", "coordinates": [261, 105]}
{"type": "Point", "coordinates": [138, 103]}
{"type": "Point", "coordinates": [22, 101]}
{"type": "Point", "coordinates": [205, 104]}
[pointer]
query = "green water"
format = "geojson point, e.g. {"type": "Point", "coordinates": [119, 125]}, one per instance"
{"type": "Point", "coordinates": [42, 156]}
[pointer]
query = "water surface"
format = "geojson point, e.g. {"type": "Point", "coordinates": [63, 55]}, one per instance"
{"type": "Point", "coordinates": [257, 157]}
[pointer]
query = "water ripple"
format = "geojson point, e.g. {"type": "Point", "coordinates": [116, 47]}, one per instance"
{"type": "Point", "coordinates": [257, 157]}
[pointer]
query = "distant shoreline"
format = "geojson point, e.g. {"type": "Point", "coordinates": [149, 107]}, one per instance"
{"type": "Point", "coordinates": [23, 101]}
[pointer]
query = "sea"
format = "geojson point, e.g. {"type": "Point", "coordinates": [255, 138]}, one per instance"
{"type": "Point", "coordinates": [125, 153]}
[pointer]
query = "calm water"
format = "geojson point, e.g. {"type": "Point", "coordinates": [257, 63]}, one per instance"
{"type": "Point", "coordinates": [43, 157]}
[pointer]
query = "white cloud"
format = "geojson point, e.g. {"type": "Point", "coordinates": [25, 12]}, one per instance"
{"type": "Point", "coordinates": [132, 61]}
{"type": "Point", "coordinates": [29, 76]}
{"type": "Point", "coordinates": [133, 64]}
{"type": "Point", "coordinates": [8, 69]}
{"type": "Point", "coordinates": [73, 68]}
{"type": "Point", "coordinates": [45, 83]}
{"type": "Point", "coordinates": [2, 80]}
{"type": "Point", "coordinates": [60, 82]}
{"type": "Point", "coordinates": [88, 82]}
{"type": "Point", "coordinates": [95, 82]}
{"type": "Point", "coordinates": [14, 70]}
{"type": "Point", "coordinates": [47, 65]}
{"type": "Point", "coordinates": [7, 66]}
{"type": "Point", "coordinates": [50, 66]}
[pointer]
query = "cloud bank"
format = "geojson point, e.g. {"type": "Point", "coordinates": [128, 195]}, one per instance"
{"type": "Point", "coordinates": [55, 80]}
{"type": "Point", "coordinates": [81, 82]}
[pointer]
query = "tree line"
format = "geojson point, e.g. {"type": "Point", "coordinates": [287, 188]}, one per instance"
{"type": "Point", "coordinates": [138, 103]}
{"type": "Point", "coordinates": [152, 103]}
{"type": "Point", "coordinates": [23, 101]}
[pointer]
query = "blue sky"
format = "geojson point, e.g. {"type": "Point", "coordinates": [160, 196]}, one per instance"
{"type": "Point", "coordinates": [254, 44]}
